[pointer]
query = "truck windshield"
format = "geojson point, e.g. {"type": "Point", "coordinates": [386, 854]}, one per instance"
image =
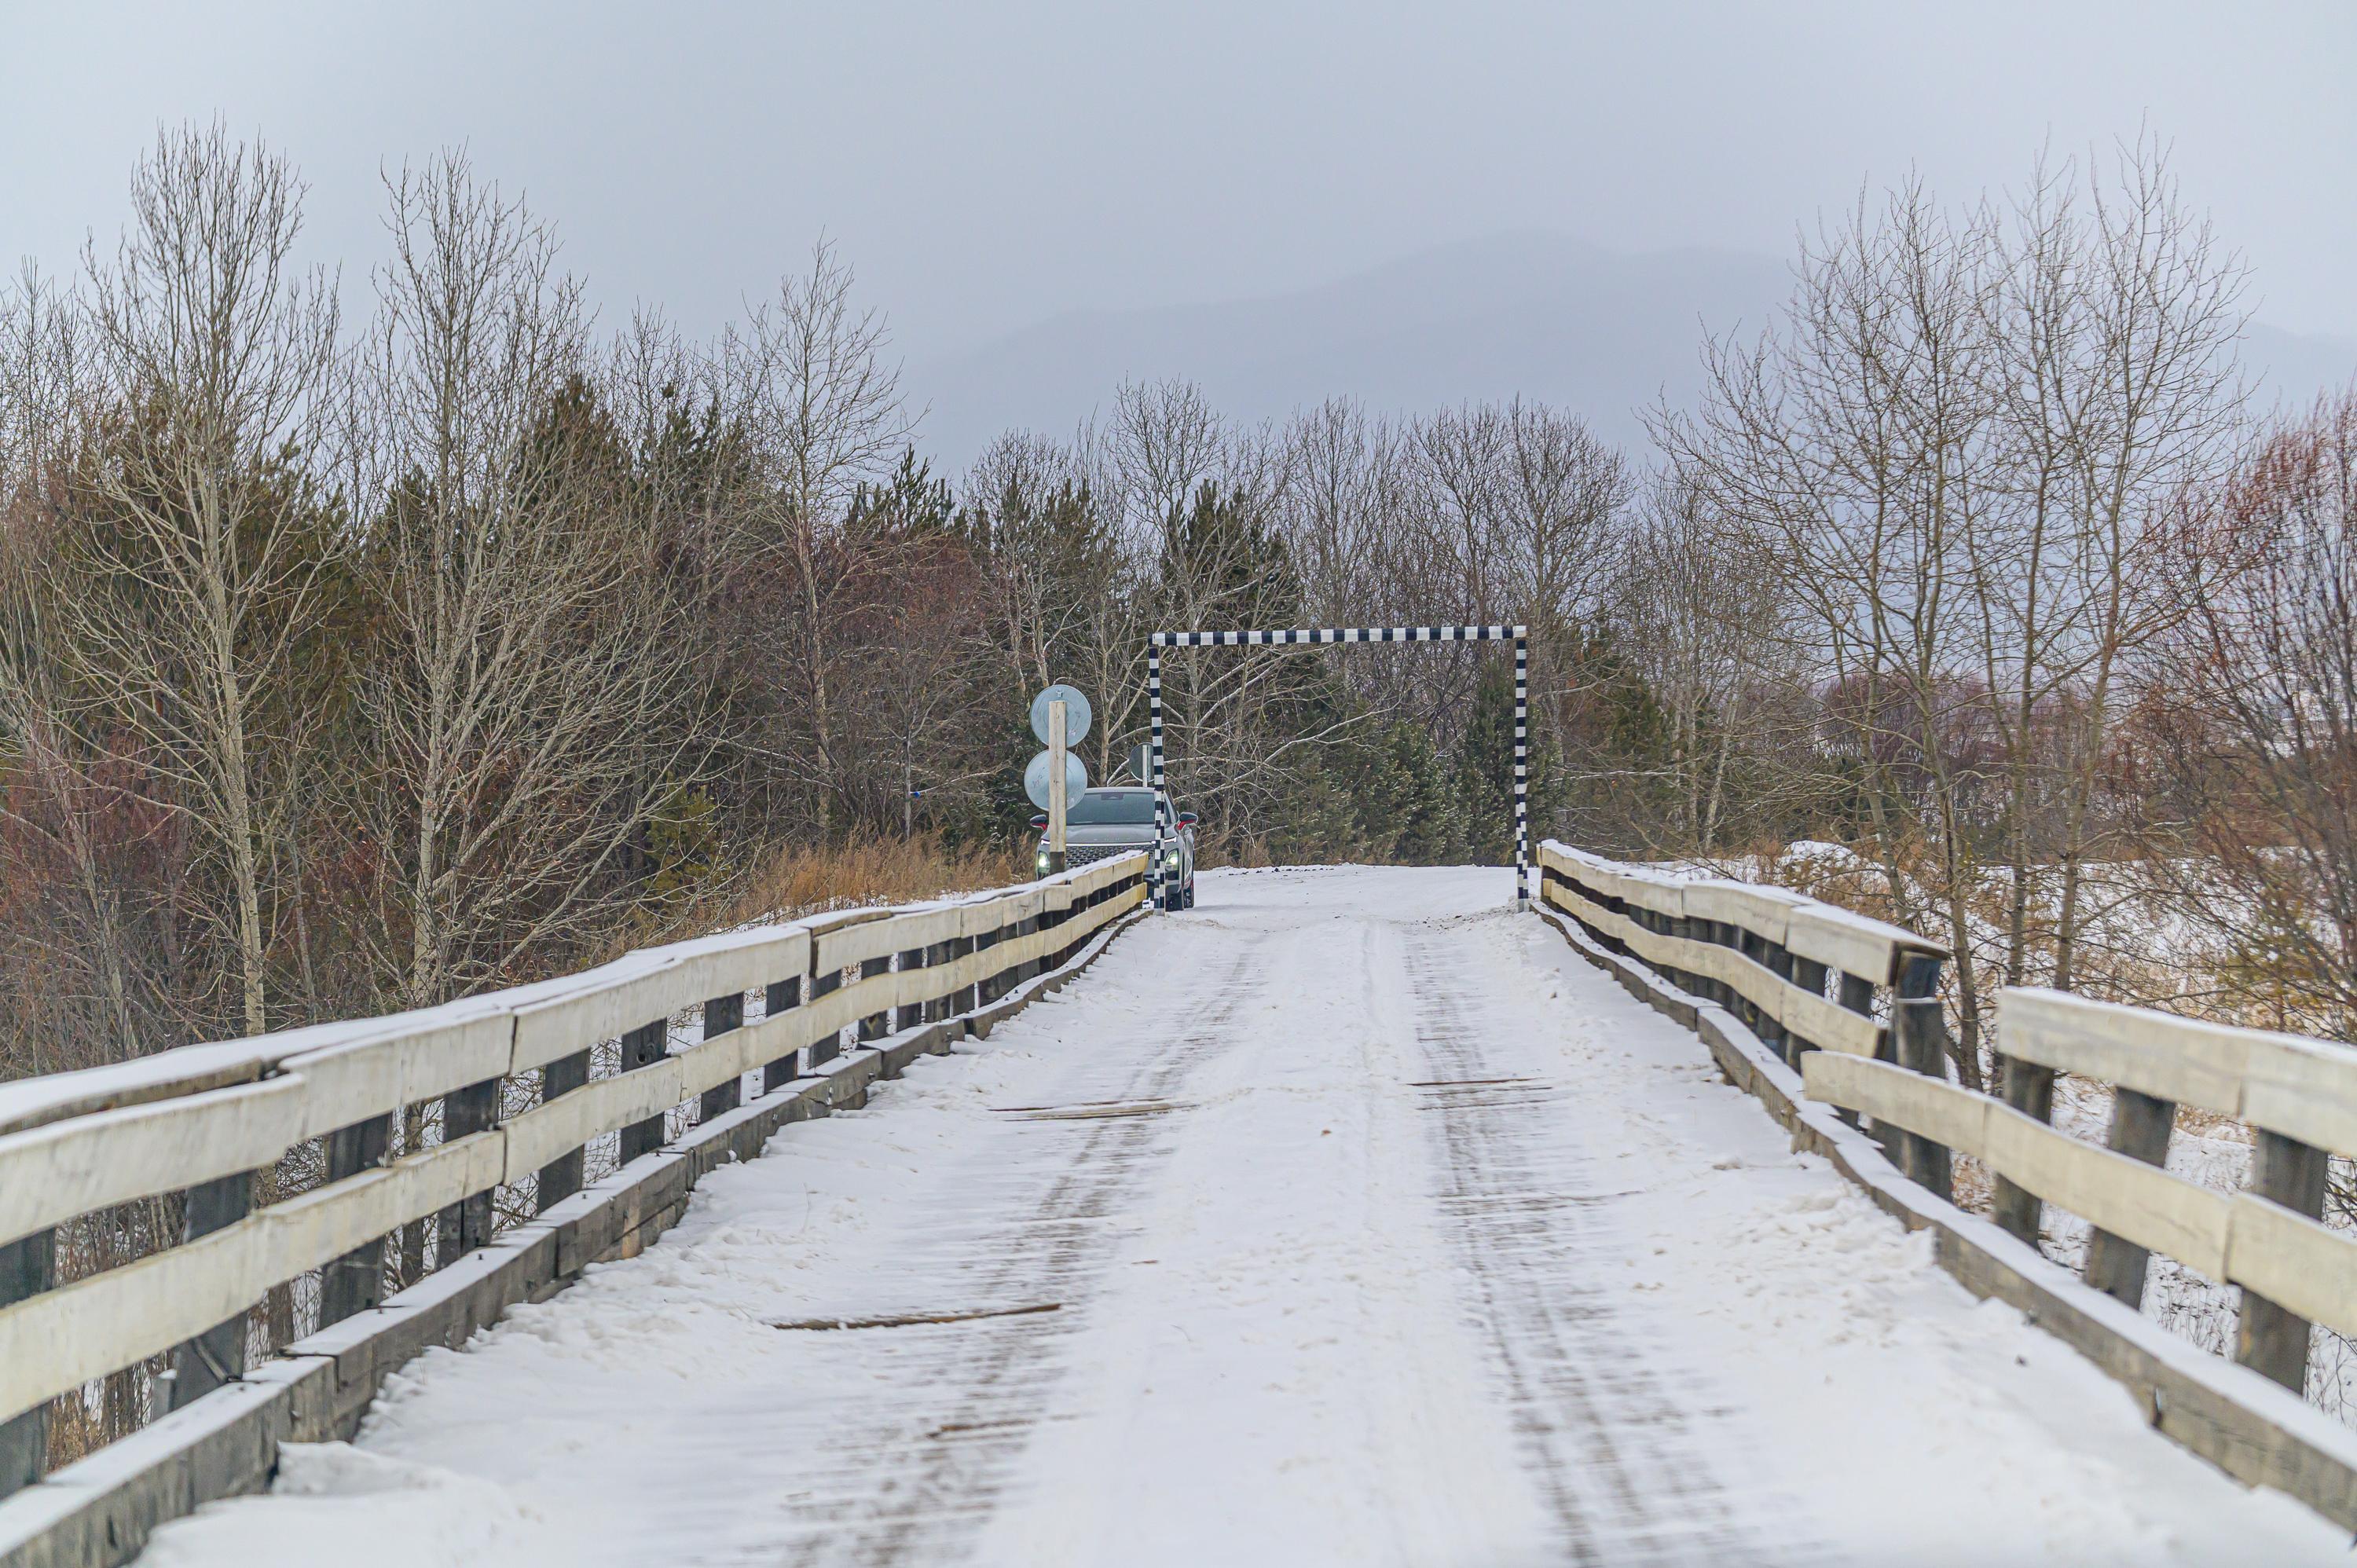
{"type": "Point", "coordinates": [1113, 808]}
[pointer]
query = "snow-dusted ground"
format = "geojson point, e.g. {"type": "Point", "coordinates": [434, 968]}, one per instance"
{"type": "Point", "coordinates": [1376, 1227]}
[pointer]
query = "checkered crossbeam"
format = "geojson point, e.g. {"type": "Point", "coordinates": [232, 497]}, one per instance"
{"type": "Point", "coordinates": [1326, 634]}
{"type": "Point", "coordinates": [1332, 635]}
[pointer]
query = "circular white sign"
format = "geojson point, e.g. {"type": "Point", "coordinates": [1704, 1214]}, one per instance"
{"type": "Point", "coordinates": [1035, 778]}
{"type": "Point", "coordinates": [1076, 712]}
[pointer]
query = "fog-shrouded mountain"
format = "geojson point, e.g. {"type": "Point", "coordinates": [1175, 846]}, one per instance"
{"type": "Point", "coordinates": [1541, 316]}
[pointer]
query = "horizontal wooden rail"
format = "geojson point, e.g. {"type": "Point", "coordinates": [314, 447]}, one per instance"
{"type": "Point", "coordinates": [203, 1117]}
{"type": "Point", "coordinates": [2302, 1088]}
{"type": "Point", "coordinates": [2299, 1096]}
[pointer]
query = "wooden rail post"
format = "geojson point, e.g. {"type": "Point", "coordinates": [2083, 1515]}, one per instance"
{"type": "Point", "coordinates": [784, 996]}
{"type": "Point", "coordinates": [1765, 953]}
{"type": "Point", "coordinates": [1856, 995]}
{"type": "Point", "coordinates": [2029, 1089]}
{"type": "Point", "coordinates": [1030, 923]}
{"type": "Point", "coordinates": [1673, 925]}
{"type": "Point", "coordinates": [218, 1355]}
{"type": "Point", "coordinates": [1780, 964]}
{"type": "Point", "coordinates": [946, 1005]}
{"type": "Point", "coordinates": [1918, 1038]}
{"type": "Point", "coordinates": [641, 1048]}
{"type": "Point", "coordinates": [467, 1224]}
{"type": "Point", "coordinates": [561, 1177]}
{"type": "Point", "coordinates": [825, 1050]}
{"type": "Point", "coordinates": [876, 1024]}
{"type": "Point", "coordinates": [29, 1267]}
{"type": "Point", "coordinates": [908, 1014]}
{"type": "Point", "coordinates": [986, 989]}
{"type": "Point", "coordinates": [355, 1282]}
{"type": "Point", "coordinates": [2271, 1339]}
{"type": "Point", "coordinates": [2141, 1129]}
{"type": "Point", "coordinates": [1809, 976]}
{"type": "Point", "coordinates": [722, 1015]}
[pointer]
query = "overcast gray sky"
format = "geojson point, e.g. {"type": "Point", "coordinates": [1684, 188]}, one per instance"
{"type": "Point", "coordinates": [985, 165]}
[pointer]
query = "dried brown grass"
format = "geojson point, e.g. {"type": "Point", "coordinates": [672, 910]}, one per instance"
{"type": "Point", "coordinates": [803, 880]}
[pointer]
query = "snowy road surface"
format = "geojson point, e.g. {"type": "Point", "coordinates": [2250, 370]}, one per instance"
{"type": "Point", "coordinates": [1348, 1219]}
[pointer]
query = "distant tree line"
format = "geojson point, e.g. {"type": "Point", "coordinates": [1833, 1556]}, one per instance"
{"type": "Point", "coordinates": [360, 649]}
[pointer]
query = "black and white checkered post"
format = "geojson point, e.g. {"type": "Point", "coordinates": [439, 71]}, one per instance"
{"type": "Point", "coordinates": [1521, 774]}
{"type": "Point", "coordinates": [1154, 743]}
{"type": "Point", "coordinates": [1296, 636]}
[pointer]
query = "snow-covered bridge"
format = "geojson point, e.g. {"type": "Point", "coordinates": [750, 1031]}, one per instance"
{"type": "Point", "coordinates": [1353, 1218]}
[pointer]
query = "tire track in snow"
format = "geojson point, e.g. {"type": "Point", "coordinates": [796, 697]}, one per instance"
{"type": "Point", "coordinates": [1619, 1445]}
{"type": "Point", "coordinates": [920, 1488]}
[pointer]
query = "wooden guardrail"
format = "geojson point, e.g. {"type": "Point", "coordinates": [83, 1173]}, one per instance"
{"type": "Point", "coordinates": [202, 1119]}
{"type": "Point", "coordinates": [1804, 976]}
{"type": "Point", "coordinates": [2298, 1096]}
{"type": "Point", "coordinates": [1774, 958]}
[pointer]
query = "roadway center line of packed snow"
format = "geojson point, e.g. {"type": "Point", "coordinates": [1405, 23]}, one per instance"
{"type": "Point", "coordinates": [1347, 1219]}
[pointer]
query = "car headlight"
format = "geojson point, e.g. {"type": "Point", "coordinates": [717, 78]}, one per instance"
{"type": "Point", "coordinates": [1171, 860]}
{"type": "Point", "coordinates": [1043, 863]}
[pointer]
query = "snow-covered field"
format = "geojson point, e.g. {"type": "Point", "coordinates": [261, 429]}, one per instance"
{"type": "Point", "coordinates": [1347, 1219]}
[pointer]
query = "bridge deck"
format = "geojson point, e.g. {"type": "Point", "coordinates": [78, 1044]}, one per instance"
{"type": "Point", "coordinates": [1347, 1219]}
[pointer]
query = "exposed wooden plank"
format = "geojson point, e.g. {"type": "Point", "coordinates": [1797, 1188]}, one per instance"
{"type": "Point", "coordinates": [2301, 1264]}
{"type": "Point", "coordinates": [1853, 943]}
{"type": "Point", "coordinates": [62, 1169]}
{"type": "Point", "coordinates": [168, 1075]}
{"type": "Point", "coordinates": [1828, 1025]}
{"type": "Point", "coordinates": [1762, 911]}
{"type": "Point", "coordinates": [2305, 1089]}
{"type": "Point", "coordinates": [1888, 1092]}
{"type": "Point", "coordinates": [111, 1320]}
{"type": "Point", "coordinates": [2175, 1059]}
{"type": "Point", "coordinates": [606, 1003]}
{"type": "Point", "coordinates": [100, 1509]}
{"type": "Point", "coordinates": [2143, 1203]}
{"type": "Point", "coordinates": [864, 941]}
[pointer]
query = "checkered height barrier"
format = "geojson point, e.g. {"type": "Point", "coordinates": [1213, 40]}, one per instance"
{"type": "Point", "coordinates": [1282, 637]}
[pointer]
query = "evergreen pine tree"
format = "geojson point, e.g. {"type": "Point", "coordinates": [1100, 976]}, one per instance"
{"type": "Point", "coordinates": [1485, 772]}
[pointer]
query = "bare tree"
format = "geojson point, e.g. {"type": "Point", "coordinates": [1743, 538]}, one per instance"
{"type": "Point", "coordinates": [2252, 721]}
{"type": "Point", "coordinates": [1706, 624]}
{"type": "Point", "coordinates": [205, 519]}
{"type": "Point", "coordinates": [1851, 447]}
{"type": "Point", "coordinates": [825, 414]}
{"type": "Point", "coordinates": [518, 684]}
{"type": "Point", "coordinates": [2113, 329]}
